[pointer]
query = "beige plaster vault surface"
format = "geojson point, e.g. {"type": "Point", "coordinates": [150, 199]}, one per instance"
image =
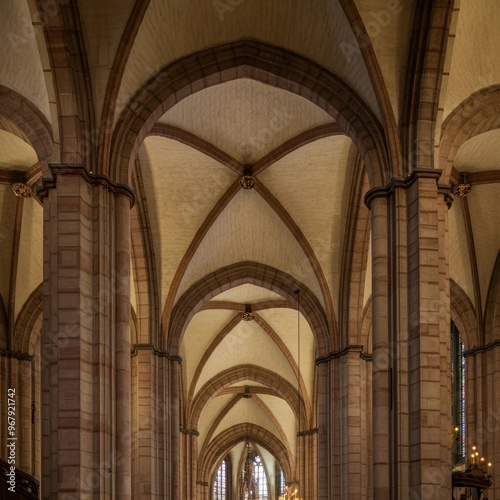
{"type": "Point", "coordinates": [195, 219]}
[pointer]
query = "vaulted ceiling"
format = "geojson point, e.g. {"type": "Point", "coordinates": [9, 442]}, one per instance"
{"type": "Point", "coordinates": [304, 220]}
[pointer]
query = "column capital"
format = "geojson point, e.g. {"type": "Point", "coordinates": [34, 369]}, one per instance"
{"type": "Point", "coordinates": [482, 348]}
{"type": "Point", "coordinates": [58, 169]}
{"type": "Point", "coordinates": [349, 349]}
{"type": "Point", "coordinates": [189, 432]}
{"type": "Point", "coordinates": [155, 351]}
{"type": "Point", "coordinates": [406, 182]}
{"type": "Point", "coordinates": [6, 353]}
{"type": "Point", "coordinates": [308, 432]}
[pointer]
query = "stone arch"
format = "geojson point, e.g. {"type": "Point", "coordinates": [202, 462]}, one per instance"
{"type": "Point", "coordinates": [463, 314]}
{"type": "Point", "coordinates": [26, 333]}
{"type": "Point", "coordinates": [65, 44]}
{"type": "Point", "coordinates": [477, 114]}
{"type": "Point", "coordinates": [492, 311]}
{"type": "Point", "coordinates": [225, 441]}
{"type": "Point", "coordinates": [281, 387]}
{"type": "Point", "coordinates": [377, 79]}
{"type": "Point", "coordinates": [419, 114]}
{"type": "Point", "coordinates": [257, 274]}
{"type": "Point", "coordinates": [354, 259]}
{"type": "Point", "coordinates": [259, 61]}
{"type": "Point", "coordinates": [366, 326]}
{"type": "Point", "coordinates": [31, 122]}
{"type": "Point", "coordinates": [143, 269]}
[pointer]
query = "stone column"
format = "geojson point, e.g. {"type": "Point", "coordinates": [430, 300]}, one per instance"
{"type": "Point", "coordinates": [429, 339]}
{"type": "Point", "coordinates": [86, 385]}
{"type": "Point", "coordinates": [380, 349]}
{"type": "Point", "coordinates": [25, 426]}
{"type": "Point", "coordinates": [189, 447]}
{"type": "Point", "coordinates": [324, 449]}
{"type": "Point", "coordinates": [16, 372]}
{"type": "Point", "coordinates": [483, 409]}
{"type": "Point", "coordinates": [144, 424]}
{"type": "Point", "coordinates": [410, 339]}
{"type": "Point", "coordinates": [329, 429]}
{"type": "Point", "coordinates": [347, 424]}
{"type": "Point", "coordinates": [354, 424]}
{"type": "Point", "coordinates": [307, 473]}
{"type": "Point", "coordinates": [168, 426]}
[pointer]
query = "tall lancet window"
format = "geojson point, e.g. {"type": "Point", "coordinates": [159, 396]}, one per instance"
{"type": "Point", "coordinates": [457, 395]}
{"type": "Point", "coordinates": [280, 480]}
{"type": "Point", "coordinates": [221, 481]}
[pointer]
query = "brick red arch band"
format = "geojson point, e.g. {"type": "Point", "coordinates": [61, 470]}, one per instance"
{"type": "Point", "coordinates": [256, 274]}
{"type": "Point", "coordinates": [281, 387]}
{"type": "Point", "coordinates": [222, 444]}
{"type": "Point", "coordinates": [25, 332]}
{"type": "Point", "coordinates": [247, 59]}
{"type": "Point", "coordinates": [463, 314]}
{"type": "Point", "coordinates": [31, 122]}
{"type": "Point", "coordinates": [477, 114]}
{"type": "Point", "coordinates": [492, 311]}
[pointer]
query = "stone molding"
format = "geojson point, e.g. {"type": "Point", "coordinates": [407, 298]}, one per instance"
{"type": "Point", "coordinates": [157, 352]}
{"type": "Point", "coordinates": [359, 349]}
{"type": "Point", "coordinates": [92, 179]}
{"type": "Point", "coordinates": [405, 183]}
{"type": "Point", "coordinates": [6, 353]}
{"type": "Point", "coordinates": [482, 349]}
{"type": "Point", "coordinates": [308, 432]}
{"type": "Point", "coordinates": [189, 432]}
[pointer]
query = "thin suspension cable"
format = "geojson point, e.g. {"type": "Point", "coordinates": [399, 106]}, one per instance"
{"type": "Point", "coordinates": [298, 383]}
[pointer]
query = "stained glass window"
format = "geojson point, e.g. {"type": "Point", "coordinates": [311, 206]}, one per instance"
{"type": "Point", "coordinates": [458, 394]}
{"type": "Point", "coordinates": [280, 480]}
{"type": "Point", "coordinates": [221, 481]}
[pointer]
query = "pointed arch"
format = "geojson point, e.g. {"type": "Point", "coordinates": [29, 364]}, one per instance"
{"type": "Point", "coordinates": [354, 259]}
{"type": "Point", "coordinates": [143, 270]}
{"type": "Point", "coordinates": [477, 114]}
{"type": "Point", "coordinates": [259, 61]}
{"type": "Point", "coordinates": [31, 122]}
{"type": "Point", "coordinates": [281, 388]}
{"type": "Point", "coordinates": [70, 72]}
{"type": "Point", "coordinates": [226, 440]}
{"type": "Point", "coordinates": [28, 323]}
{"type": "Point", "coordinates": [379, 86]}
{"type": "Point", "coordinates": [426, 63]}
{"type": "Point", "coordinates": [257, 274]}
{"type": "Point", "coordinates": [492, 313]}
{"type": "Point", "coordinates": [463, 314]}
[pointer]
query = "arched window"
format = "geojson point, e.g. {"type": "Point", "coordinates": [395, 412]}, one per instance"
{"type": "Point", "coordinates": [260, 477]}
{"type": "Point", "coordinates": [253, 482]}
{"type": "Point", "coordinates": [280, 480]}
{"type": "Point", "coordinates": [222, 481]}
{"type": "Point", "coordinates": [457, 395]}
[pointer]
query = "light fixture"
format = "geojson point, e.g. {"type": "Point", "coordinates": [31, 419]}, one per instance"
{"type": "Point", "coordinates": [476, 476]}
{"type": "Point", "coordinates": [292, 492]}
